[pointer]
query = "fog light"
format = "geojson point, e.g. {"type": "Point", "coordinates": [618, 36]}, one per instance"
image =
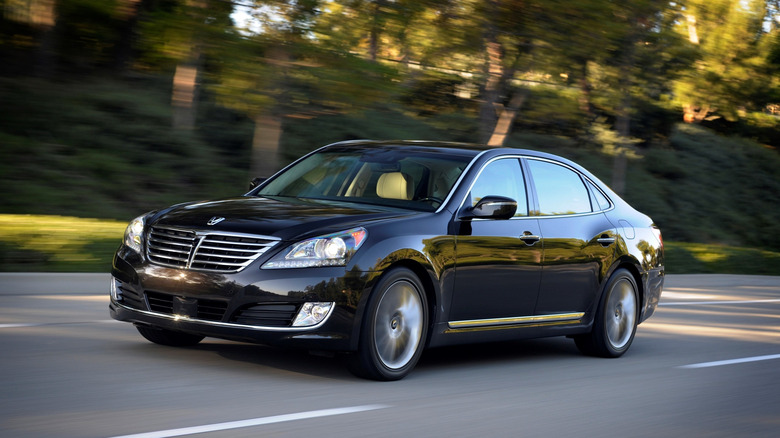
{"type": "Point", "coordinates": [116, 292]}
{"type": "Point", "coordinates": [312, 314]}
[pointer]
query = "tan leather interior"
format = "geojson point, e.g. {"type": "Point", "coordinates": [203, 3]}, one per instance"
{"type": "Point", "coordinates": [394, 185]}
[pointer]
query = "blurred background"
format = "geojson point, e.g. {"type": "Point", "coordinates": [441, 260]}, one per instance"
{"type": "Point", "coordinates": [111, 108]}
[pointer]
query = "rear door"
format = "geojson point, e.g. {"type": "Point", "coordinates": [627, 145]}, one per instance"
{"type": "Point", "coordinates": [579, 241]}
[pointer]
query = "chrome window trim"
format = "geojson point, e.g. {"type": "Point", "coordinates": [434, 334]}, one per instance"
{"type": "Point", "coordinates": [228, 324]}
{"type": "Point", "coordinates": [582, 175]}
{"type": "Point", "coordinates": [474, 181]}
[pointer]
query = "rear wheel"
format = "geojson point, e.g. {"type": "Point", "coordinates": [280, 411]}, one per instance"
{"type": "Point", "coordinates": [394, 328]}
{"type": "Point", "coordinates": [168, 337]}
{"type": "Point", "coordinates": [616, 318]}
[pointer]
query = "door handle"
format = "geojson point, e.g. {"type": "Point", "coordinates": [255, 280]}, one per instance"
{"type": "Point", "coordinates": [529, 238]}
{"type": "Point", "coordinates": [605, 240]}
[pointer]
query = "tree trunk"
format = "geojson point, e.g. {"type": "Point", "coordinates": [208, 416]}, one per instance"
{"type": "Point", "coordinates": [377, 24]}
{"type": "Point", "coordinates": [185, 95]}
{"type": "Point", "coordinates": [185, 81]}
{"type": "Point", "coordinates": [585, 91]}
{"type": "Point", "coordinates": [623, 122]}
{"type": "Point", "coordinates": [507, 118]}
{"type": "Point", "coordinates": [128, 11]}
{"type": "Point", "coordinates": [491, 91]}
{"type": "Point", "coordinates": [265, 157]}
{"type": "Point", "coordinates": [693, 34]}
{"type": "Point", "coordinates": [43, 15]}
{"type": "Point", "coordinates": [265, 145]}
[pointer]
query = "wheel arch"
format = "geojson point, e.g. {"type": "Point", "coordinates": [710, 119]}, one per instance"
{"type": "Point", "coordinates": [633, 268]}
{"type": "Point", "coordinates": [430, 289]}
{"type": "Point", "coordinates": [415, 262]}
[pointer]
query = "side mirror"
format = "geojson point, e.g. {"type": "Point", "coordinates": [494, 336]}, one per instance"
{"type": "Point", "coordinates": [492, 207]}
{"type": "Point", "coordinates": [256, 182]}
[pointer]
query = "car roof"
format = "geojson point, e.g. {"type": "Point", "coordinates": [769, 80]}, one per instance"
{"type": "Point", "coordinates": [456, 148]}
{"type": "Point", "coordinates": [471, 150]}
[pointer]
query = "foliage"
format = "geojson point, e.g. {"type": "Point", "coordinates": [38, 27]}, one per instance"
{"type": "Point", "coordinates": [33, 243]}
{"type": "Point", "coordinates": [709, 188]}
{"type": "Point", "coordinates": [100, 148]}
{"type": "Point", "coordinates": [733, 72]}
{"type": "Point", "coordinates": [697, 258]}
{"type": "Point", "coordinates": [57, 243]}
{"type": "Point", "coordinates": [88, 96]}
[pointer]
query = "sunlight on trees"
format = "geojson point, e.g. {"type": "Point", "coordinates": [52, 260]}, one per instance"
{"type": "Point", "coordinates": [594, 70]}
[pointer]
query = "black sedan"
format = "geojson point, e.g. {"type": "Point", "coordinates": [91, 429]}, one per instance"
{"type": "Point", "coordinates": [382, 249]}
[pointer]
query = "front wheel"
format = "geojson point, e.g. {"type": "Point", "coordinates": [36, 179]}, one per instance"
{"type": "Point", "coordinates": [394, 328]}
{"type": "Point", "coordinates": [616, 319]}
{"type": "Point", "coordinates": [168, 337]}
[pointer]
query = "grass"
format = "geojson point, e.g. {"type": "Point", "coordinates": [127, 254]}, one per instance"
{"type": "Point", "coordinates": [39, 243]}
{"type": "Point", "coordinates": [699, 258]}
{"type": "Point", "coordinates": [104, 148]}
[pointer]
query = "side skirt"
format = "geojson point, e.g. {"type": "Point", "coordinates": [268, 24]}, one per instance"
{"type": "Point", "coordinates": [513, 322]}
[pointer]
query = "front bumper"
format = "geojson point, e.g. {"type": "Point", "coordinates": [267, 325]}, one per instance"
{"type": "Point", "coordinates": [253, 305]}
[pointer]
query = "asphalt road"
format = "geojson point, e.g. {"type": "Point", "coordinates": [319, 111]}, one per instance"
{"type": "Point", "coordinates": [707, 364]}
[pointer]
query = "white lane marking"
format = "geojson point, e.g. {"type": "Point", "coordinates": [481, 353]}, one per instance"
{"type": "Point", "coordinates": [2, 326]}
{"type": "Point", "coordinates": [685, 296]}
{"type": "Point", "coordinates": [254, 422]}
{"type": "Point", "coordinates": [43, 324]}
{"type": "Point", "coordinates": [695, 303]}
{"type": "Point", "coordinates": [731, 361]}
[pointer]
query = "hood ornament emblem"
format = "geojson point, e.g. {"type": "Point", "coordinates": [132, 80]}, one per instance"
{"type": "Point", "coordinates": [215, 220]}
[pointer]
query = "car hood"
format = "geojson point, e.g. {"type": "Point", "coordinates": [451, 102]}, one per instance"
{"type": "Point", "coordinates": [285, 218]}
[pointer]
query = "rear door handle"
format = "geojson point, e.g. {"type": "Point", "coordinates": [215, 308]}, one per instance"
{"type": "Point", "coordinates": [529, 238]}
{"type": "Point", "coordinates": [606, 240]}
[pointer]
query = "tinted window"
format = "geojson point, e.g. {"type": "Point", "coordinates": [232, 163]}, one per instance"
{"type": "Point", "coordinates": [397, 177]}
{"type": "Point", "coordinates": [502, 178]}
{"type": "Point", "coordinates": [598, 197]}
{"type": "Point", "coordinates": [559, 189]}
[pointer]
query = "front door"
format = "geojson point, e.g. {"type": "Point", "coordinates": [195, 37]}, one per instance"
{"type": "Point", "coordinates": [498, 262]}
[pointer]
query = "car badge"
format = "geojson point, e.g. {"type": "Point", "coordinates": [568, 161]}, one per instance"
{"type": "Point", "coordinates": [215, 220]}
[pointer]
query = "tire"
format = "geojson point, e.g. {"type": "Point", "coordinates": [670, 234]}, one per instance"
{"type": "Point", "coordinates": [394, 328]}
{"type": "Point", "coordinates": [168, 337]}
{"type": "Point", "coordinates": [616, 318]}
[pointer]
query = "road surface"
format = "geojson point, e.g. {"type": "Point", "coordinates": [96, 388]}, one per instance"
{"type": "Point", "coordinates": [707, 364]}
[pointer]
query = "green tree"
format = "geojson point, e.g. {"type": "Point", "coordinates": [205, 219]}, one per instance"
{"type": "Point", "coordinates": [283, 71]}
{"type": "Point", "coordinates": [734, 72]}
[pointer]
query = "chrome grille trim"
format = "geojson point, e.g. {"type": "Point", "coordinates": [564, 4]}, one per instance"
{"type": "Point", "coordinates": [205, 250]}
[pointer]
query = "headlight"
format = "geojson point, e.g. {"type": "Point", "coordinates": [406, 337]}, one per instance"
{"type": "Point", "coordinates": [330, 250]}
{"type": "Point", "coordinates": [134, 233]}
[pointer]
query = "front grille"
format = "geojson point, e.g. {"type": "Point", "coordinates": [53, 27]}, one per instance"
{"type": "Point", "coordinates": [170, 247]}
{"type": "Point", "coordinates": [269, 315]}
{"type": "Point", "coordinates": [209, 310]}
{"type": "Point", "coordinates": [205, 251]}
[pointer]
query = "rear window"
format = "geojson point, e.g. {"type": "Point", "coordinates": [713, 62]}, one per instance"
{"type": "Point", "coordinates": [559, 189]}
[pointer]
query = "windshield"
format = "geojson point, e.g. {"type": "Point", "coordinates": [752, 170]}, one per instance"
{"type": "Point", "coordinates": [396, 177]}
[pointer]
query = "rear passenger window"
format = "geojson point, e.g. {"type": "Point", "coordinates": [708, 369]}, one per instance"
{"type": "Point", "coordinates": [559, 189]}
{"type": "Point", "coordinates": [599, 200]}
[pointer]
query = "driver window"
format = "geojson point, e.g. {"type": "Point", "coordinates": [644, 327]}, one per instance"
{"type": "Point", "coordinates": [502, 177]}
